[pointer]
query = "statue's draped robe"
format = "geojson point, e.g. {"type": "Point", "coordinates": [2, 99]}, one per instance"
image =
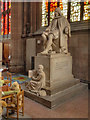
{"type": "Point", "coordinates": [63, 37]}
{"type": "Point", "coordinates": [57, 28]}
{"type": "Point", "coordinates": [37, 82]}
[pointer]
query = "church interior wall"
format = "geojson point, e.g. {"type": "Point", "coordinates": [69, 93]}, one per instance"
{"type": "Point", "coordinates": [78, 47]}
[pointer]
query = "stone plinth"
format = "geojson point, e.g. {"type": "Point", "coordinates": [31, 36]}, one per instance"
{"type": "Point", "coordinates": [58, 70]}
{"type": "Point", "coordinates": [59, 98]}
{"type": "Point", "coordinates": [60, 83]}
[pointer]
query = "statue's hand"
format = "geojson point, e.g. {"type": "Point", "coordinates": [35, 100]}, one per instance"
{"type": "Point", "coordinates": [47, 29]}
{"type": "Point", "coordinates": [66, 30]}
{"type": "Point", "coordinates": [69, 35]}
{"type": "Point", "coordinates": [33, 78]}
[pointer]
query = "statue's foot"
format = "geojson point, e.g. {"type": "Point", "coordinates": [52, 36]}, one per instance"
{"type": "Point", "coordinates": [65, 51]}
{"type": "Point", "coordinates": [44, 52]}
{"type": "Point", "coordinates": [42, 93]}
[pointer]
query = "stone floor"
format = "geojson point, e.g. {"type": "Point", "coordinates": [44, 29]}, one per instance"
{"type": "Point", "coordinates": [77, 107]}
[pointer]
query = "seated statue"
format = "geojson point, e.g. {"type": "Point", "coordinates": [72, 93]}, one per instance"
{"type": "Point", "coordinates": [56, 35]}
{"type": "Point", "coordinates": [38, 81]}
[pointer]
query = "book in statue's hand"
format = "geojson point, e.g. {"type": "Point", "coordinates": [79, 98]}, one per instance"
{"type": "Point", "coordinates": [30, 73]}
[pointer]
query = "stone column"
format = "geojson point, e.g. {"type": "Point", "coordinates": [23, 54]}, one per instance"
{"type": "Point", "coordinates": [38, 15]}
{"type": "Point", "coordinates": [33, 16]}
{"type": "Point", "coordinates": [17, 43]}
{"type": "Point", "coordinates": [24, 18]}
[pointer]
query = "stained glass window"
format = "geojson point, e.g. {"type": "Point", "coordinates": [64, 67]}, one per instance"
{"type": "Point", "coordinates": [86, 14]}
{"type": "Point", "coordinates": [75, 11]}
{"type": "Point", "coordinates": [5, 24]}
{"type": "Point", "coordinates": [45, 13]}
{"type": "Point", "coordinates": [9, 4]}
{"type": "Point", "coordinates": [5, 5]}
{"type": "Point", "coordinates": [64, 7]}
{"type": "Point", "coordinates": [2, 4]}
{"type": "Point", "coordinates": [5, 19]}
{"type": "Point", "coordinates": [9, 29]}
{"type": "Point", "coordinates": [73, 14]}
{"type": "Point", "coordinates": [53, 5]}
{"type": "Point", "coordinates": [9, 23]}
{"type": "Point", "coordinates": [2, 25]}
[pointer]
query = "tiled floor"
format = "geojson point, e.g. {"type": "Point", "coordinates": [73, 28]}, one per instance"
{"type": "Point", "coordinates": [77, 107]}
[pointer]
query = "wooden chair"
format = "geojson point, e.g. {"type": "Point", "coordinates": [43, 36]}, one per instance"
{"type": "Point", "coordinates": [9, 79]}
{"type": "Point", "coordinates": [20, 87]}
{"type": "Point", "coordinates": [6, 82]}
{"type": "Point", "coordinates": [2, 78]}
{"type": "Point", "coordinates": [18, 107]}
{"type": "Point", "coordinates": [4, 88]}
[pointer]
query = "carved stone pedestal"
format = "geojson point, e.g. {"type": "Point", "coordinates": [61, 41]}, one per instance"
{"type": "Point", "coordinates": [60, 83]}
{"type": "Point", "coordinates": [58, 70]}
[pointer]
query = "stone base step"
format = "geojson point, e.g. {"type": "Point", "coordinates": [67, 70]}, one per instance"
{"type": "Point", "coordinates": [58, 98]}
{"type": "Point", "coordinates": [61, 86]}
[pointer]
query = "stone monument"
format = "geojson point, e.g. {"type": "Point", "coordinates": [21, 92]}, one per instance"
{"type": "Point", "coordinates": [57, 62]}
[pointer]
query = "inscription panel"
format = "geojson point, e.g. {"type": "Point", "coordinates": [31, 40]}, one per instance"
{"type": "Point", "coordinates": [61, 65]}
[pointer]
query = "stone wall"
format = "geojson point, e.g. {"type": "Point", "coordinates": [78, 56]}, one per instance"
{"type": "Point", "coordinates": [21, 14]}
{"type": "Point", "coordinates": [78, 47]}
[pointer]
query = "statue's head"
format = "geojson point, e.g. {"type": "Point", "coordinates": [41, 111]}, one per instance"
{"type": "Point", "coordinates": [58, 12]}
{"type": "Point", "coordinates": [40, 68]}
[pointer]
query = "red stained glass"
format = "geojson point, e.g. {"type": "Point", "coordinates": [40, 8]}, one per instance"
{"type": "Point", "coordinates": [2, 27]}
{"type": "Point", "coordinates": [1, 6]}
{"type": "Point", "coordinates": [5, 5]}
{"type": "Point", "coordinates": [61, 5]}
{"type": "Point", "coordinates": [9, 4]}
{"type": "Point", "coordinates": [46, 6]}
{"type": "Point", "coordinates": [9, 23]}
{"type": "Point", "coordinates": [53, 5]}
{"type": "Point", "coordinates": [5, 25]}
{"type": "Point", "coordinates": [5, 18]}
